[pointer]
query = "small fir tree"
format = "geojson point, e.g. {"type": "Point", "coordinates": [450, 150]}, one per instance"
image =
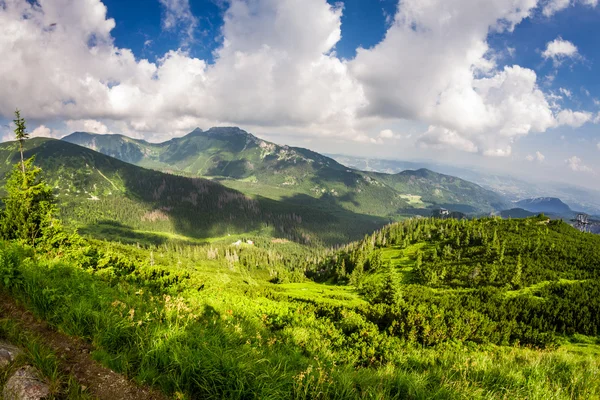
{"type": "Point", "coordinates": [21, 135]}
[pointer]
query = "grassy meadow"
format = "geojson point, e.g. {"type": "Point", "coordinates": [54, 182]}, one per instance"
{"type": "Point", "coordinates": [213, 320]}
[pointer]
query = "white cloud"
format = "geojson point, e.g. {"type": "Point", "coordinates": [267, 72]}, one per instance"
{"type": "Point", "coordinates": [553, 6]}
{"type": "Point", "coordinates": [575, 164]}
{"type": "Point", "coordinates": [559, 50]}
{"type": "Point", "coordinates": [88, 125]}
{"type": "Point", "coordinates": [178, 14]}
{"type": "Point", "coordinates": [539, 157]}
{"type": "Point", "coordinates": [572, 118]}
{"type": "Point", "coordinates": [439, 137]}
{"type": "Point", "coordinates": [505, 152]}
{"type": "Point", "coordinates": [43, 131]}
{"type": "Point", "coordinates": [565, 92]}
{"type": "Point", "coordinates": [598, 145]}
{"type": "Point", "coordinates": [450, 80]}
{"type": "Point", "coordinates": [277, 72]}
{"type": "Point", "coordinates": [386, 134]}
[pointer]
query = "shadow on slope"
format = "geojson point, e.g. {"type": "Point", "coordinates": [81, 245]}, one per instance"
{"type": "Point", "coordinates": [93, 188]}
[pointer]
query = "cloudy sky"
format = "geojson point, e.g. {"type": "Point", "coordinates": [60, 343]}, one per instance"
{"type": "Point", "coordinates": [508, 85]}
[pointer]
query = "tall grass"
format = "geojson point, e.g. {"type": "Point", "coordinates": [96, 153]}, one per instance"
{"type": "Point", "coordinates": [216, 344]}
{"type": "Point", "coordinates": [44, 359]}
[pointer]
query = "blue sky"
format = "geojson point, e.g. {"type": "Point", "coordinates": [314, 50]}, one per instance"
{"type": "Point", "coordinates": [509, 85]}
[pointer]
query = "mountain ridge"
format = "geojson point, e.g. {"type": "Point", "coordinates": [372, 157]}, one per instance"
{"type": "Point", "coordinates": [247, 163]}
{"type": "Point", "coordinates": [95, 191]}
{"type": "Point", "coordinates": [549, 205]}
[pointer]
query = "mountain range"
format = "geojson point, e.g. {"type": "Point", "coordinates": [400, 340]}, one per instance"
{"type": "Point", "coordinates": [101, 194]}
{"type": "Point", "coordinates": [226, 181]}
{"type": "Point", "coordinates": [242, 161]}
{"type": "Point", "coordinates": [513, 188]}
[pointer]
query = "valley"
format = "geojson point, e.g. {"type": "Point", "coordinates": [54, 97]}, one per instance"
{"type": "Point", "coordinates": [247, 283]}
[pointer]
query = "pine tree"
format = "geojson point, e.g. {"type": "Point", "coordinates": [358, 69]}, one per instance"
{"type": "Point", "coordinates": [357, 275]}
{"type": "Point", "coordinates": [21, 134]}
{"type": "Point", "coordinates": [516, 280]}
{"type": "Point", "coordinates": [29, 206]}
{"type": "Point", "coordinates": [390, 292]}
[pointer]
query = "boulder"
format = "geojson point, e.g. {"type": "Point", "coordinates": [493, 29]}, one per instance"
{"type": "Point", "coordinates": [25, 384]}
{"type": "Point", "coordinates": [8, 353]}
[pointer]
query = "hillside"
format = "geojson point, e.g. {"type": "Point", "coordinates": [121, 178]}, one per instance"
{"type": "Point", "coordinates": [532, 280]}
{"type": "Point", "coordinates": [423, 309]}
{"type": "Point", "coordinates": [446, 191]}
{"type": "Point", "coordinates": [244, 162]}
{"type": "Point", "coordinates": [97, 192]}
{"type": "Point", "coordinates": [548, 205]}
{"type": "Point", "coordinates": [516, 213]}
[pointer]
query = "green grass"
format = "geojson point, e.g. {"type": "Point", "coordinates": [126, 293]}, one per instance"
{"type": "Point", "coordinates": [322, 293]}
{"type": "Point", "coordinates": [42, 358]}
{"type": "Point", "coordinates": [207, 321]}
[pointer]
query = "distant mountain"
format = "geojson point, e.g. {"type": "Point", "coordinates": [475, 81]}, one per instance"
{"type": "Point", "coordinates": [516, 213]}
{"type": "Point", "coordinates": [548, 205]}
{"type": "Point", "coordinates": [96, 191]}
{"type": "Point", "coordinates": [242, 161]}
{"type": "Point", "coordinates": [443, 190]}
{"type": "Point", "coordinates": [513, 188]}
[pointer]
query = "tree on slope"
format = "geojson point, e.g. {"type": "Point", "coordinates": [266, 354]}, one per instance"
{"type": "Point", "coordinates": [391, 293]}
{"type": "Point", "coordinates": [21, 134]}
{"type": "Point", "coordinates": [29, 206]}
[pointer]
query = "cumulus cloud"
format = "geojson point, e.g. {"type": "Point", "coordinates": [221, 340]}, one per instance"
{"type": "Point", "coordinates": [450, 79]}
{"type": "Point", "coordinates": [572, 118]}
{"type": "Point", "coordinates": [539, 157]}
{"type": "Point", "coordinates": [576, 164]}
{"type": "Point", "coordinates": [559, 50]}
{"type": "Point", "coordinates": [553, 6]}
{"type": "Point", "coordinates": [88, 125]}
{"type": "Point", "coordinates": [273, 69]}
{"type": "Point", "coordinates": [386, 134]}
{"type": "Point", "coordinates": [177, 13]}
{"type": "Point", "coordinates": [276, 71]}
{"type": "Point", "coordinates": [43, 131]}
{"type": "Point", "coordinates": [440, 137]}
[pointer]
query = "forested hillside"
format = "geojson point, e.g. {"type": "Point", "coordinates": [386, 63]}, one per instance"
{"type": "Point", "coordinates": [526, 281]}
{"type": "Point", "coordinates": [103, 195]}
{"type": "Point", "coordinates": [296, 175]}
{"type": "Point", "coordinates": [484, 309]}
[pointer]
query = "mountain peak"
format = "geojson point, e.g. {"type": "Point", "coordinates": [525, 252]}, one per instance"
{"type": "Point", "coordinates": [552, 205]}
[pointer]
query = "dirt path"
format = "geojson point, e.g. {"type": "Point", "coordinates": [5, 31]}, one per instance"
{"type": "Point", "coordinates": [100, 382]}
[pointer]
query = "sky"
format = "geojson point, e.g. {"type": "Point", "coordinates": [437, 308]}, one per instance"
{"type": "Point", "coordinates": [505, 85]}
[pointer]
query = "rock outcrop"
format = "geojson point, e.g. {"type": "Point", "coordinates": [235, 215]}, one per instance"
{"type": "Point", "coordinates": [8, 353]}
{"type": "Point", "coordinates": [26, 384]}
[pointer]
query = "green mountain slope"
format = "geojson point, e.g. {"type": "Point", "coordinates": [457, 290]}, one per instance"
{"type": "Point", "coordinates": [525, 281]}
{"type": "Point", "coordinates": [94, 189]}
{"type": "Point", "coordinates": [444, 190]}
{"type": "Point", "coordinates": [297, 175]}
